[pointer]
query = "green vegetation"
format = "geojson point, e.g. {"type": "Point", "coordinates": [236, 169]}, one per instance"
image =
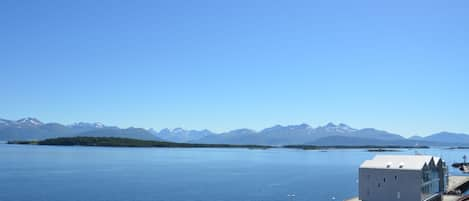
{"type": "Point", "coordinates": [383, 150]}
{"type": "Point", "coordinates": [22, 142]}
{"type": "Point", "coordinates": [127, 142]}
{"type": "Point", "coordinates": [458, 148]}
{"type": "Point", "coordinates": [369, 147]}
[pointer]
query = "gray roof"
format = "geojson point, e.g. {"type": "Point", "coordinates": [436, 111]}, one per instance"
{"type": "Point", "coordinates": [402, 162]}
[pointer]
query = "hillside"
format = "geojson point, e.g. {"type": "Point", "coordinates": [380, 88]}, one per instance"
{"type": "Point", "coordinates": [297, 134]}
{"type": "Point", "coordinates": [33, 129]}
{"type": "Point", "coordinates": [330, 134]}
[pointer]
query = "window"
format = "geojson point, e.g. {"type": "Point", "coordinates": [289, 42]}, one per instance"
{"type": "Point", "coordinates": [398, 195]}
{"type": "Point", "coordinates": [395, 178]}
{"type": "Point", "coordinates": [384, 180]}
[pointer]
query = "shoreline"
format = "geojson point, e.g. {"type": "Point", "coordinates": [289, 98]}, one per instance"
{"type": "Point", "coordinates": [128, 142]}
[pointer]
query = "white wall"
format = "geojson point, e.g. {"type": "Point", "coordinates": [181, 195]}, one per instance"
{"type": "Point", "coordinates": [373, 187]}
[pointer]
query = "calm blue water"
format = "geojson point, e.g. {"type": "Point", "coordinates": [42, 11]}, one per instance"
{"type": "Point", "coordinates": [48, 173]}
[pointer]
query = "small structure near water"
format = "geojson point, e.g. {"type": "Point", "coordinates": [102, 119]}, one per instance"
{"type": "Point", "coordinates": [464, 166]}
{"type": "Point", "coordinates": [409, 178]}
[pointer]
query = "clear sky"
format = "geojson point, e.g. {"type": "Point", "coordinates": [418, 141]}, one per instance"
{"type": "Point", "coordinates": [400, 65]}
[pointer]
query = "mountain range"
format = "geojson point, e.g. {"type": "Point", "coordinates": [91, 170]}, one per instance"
{"type": "Point", "coordinates": [330, 134]}
{"type": "Point", "coordinates": [33, 129]}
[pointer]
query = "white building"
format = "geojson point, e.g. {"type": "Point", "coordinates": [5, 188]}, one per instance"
{"type": "Point", "coordinates": [402, 178]}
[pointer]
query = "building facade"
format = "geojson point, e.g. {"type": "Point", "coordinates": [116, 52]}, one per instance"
{"type": "Point", "coordinates": [402, 178]}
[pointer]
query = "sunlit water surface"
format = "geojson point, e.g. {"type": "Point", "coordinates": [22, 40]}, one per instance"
{"type": "Point", "coordinates": [54, 173]}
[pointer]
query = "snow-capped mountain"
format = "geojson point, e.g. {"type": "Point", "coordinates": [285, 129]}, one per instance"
{"type": "Point", "coordinates": [341, 128]}
{"type": "Point", "coordinates": [87, 125]}
{"type": "Point", "coordinates": [28, 122]}
{"type": "Point", "coordinates": [181, 135]}
{"type": "Point", "coordinates": [297, 134]}
{"type": "Point", "coordinates": [33, 129]}
{"type": "Point", "coordinates": [329, 134]}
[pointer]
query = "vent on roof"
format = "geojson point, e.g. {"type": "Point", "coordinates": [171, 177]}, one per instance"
{"type": "Point", "coordinates": [389, 164]}
{"type": "Point", "coordinates": [401, 165]}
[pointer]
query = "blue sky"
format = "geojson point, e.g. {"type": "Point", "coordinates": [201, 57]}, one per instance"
{"type": "Point", "coordinates": [398, 65]}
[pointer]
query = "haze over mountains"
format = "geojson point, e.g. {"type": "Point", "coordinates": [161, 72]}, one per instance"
{"type": "Point", "coordinates": [33, 129]}
{"type": "Point", "coordinates": [330, 134]}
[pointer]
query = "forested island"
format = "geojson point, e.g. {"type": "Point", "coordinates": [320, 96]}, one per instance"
{"type": "Point", "coordinates": [127, 142]}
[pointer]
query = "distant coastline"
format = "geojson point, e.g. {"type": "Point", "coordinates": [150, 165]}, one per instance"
{"type": "Point", "coordinates": [128, 142]}
{"type": "Point", "coordinates": [371, 148]}
{"type": "Point", "coordinates": [458, 148]}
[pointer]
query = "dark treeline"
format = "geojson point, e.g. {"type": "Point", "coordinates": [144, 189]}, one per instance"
{"type": "Point", "coordinates": [127, 142]}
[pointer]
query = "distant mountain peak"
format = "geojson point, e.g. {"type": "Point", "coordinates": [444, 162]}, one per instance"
{"type": "Point", "coordinates": [180, 134]}
{"type": "Point", "coordinates": [243, 131]}
{"type": "Point", "coordinates": [29, 121]}
{"type": "Point", "coordinates": [178, 130]}
{"type": "Point", "coordinates": [4, 122]}
{"type": "Point", "coordinates": [343, 125]}
{"type": "Point", "coordinates": [301, 127]}
{"type": "Point", "coordinates": [31, 128]}
{"type": "Point", "coordinates": [88, 125]}
{"type": "Point", "coordinates": [330, 125]}
{"type": "Point", "coordinates": [340, 128]}
{"type": "Point", "coordinates": [346, 127]}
